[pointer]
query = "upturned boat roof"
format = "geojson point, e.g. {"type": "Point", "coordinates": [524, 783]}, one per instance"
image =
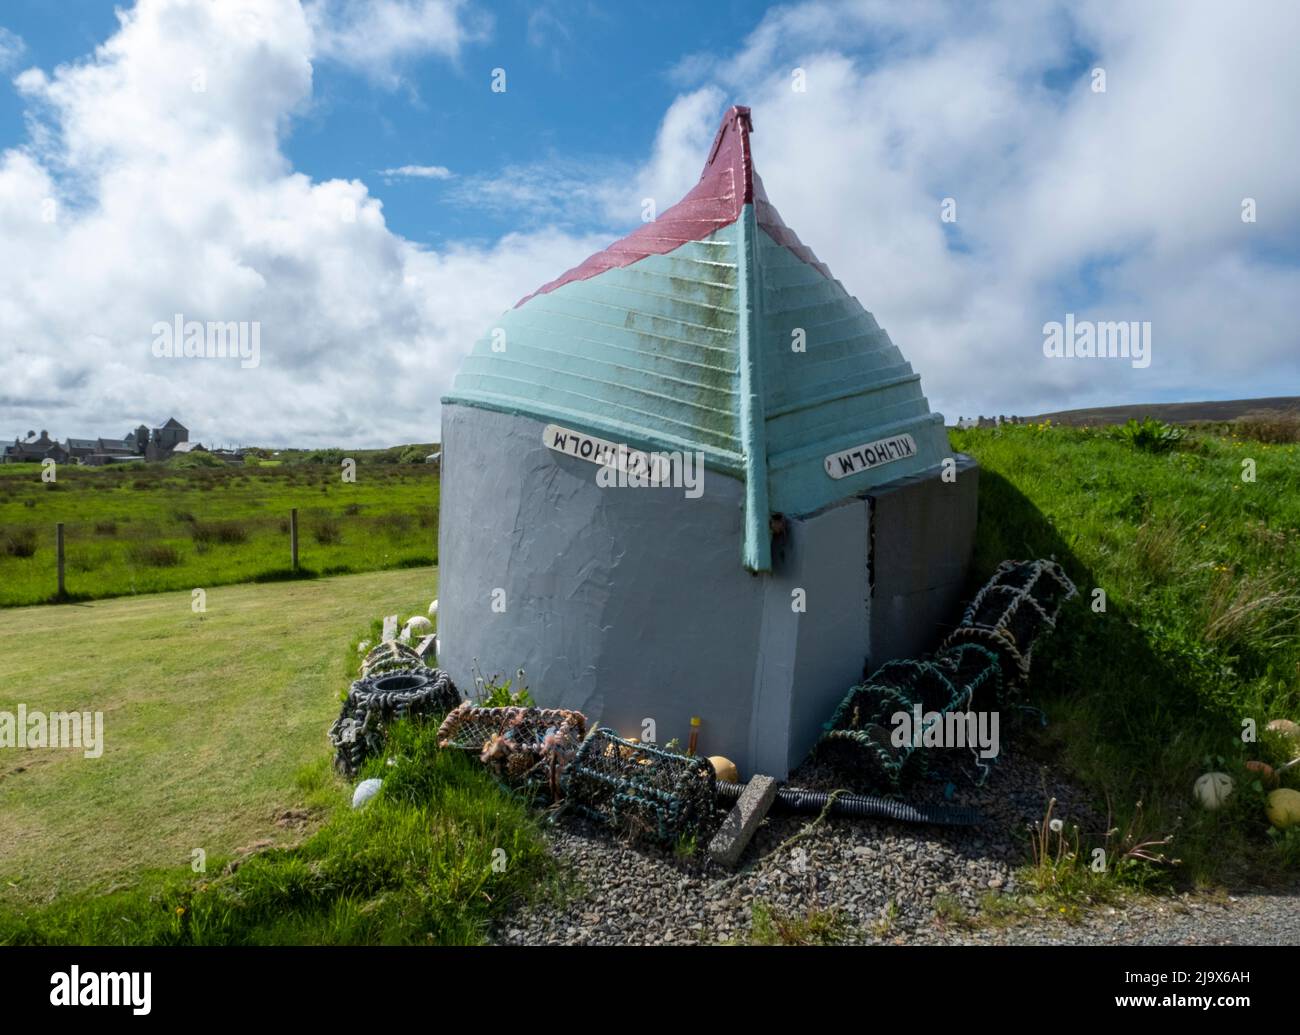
{"type": "Point", "coordinates": [713, 328]}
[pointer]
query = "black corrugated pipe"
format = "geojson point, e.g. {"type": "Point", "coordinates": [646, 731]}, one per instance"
{"type": "Point", "coordinates": [862, 806]}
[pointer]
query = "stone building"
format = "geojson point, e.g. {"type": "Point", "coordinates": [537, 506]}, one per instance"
{"type": "Point", "coordinates": [33, 448]}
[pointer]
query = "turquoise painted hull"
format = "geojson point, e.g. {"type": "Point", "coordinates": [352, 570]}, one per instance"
{"type": "Point", "coordinates": [692, 351]}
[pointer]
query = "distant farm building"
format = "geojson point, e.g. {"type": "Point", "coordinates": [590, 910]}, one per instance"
{"type": "Point", "coordinates": [33, 448]}
{"type": "Point", "coordinates": [144, 443]}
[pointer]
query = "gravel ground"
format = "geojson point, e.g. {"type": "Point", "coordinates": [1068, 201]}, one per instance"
{"type": "Point", "coordinates": [883, 880]}
{"type": "Point", "coordinates": [1246, 918]}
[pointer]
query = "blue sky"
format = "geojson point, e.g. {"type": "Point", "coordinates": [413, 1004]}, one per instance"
{"type": "Point", "coordinates": [448, 117]}
{"type": "Point", "coordinates": [225, 202]}
{"type": "Point", "coordinates": [443, 114]}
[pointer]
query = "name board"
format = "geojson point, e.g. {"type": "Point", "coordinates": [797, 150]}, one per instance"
{"type": "Point", "coordinates": [605, 453]}
{"type": "Point", "coordinates": [873, 454]}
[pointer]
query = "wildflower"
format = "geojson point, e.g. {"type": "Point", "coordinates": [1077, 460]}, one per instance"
{"type": "Point", "coordinates": [1057, 825]}
{"type": "Point", "coordinates": [180, 910]}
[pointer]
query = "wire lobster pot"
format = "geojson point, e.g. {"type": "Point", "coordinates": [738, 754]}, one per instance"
{"type": "Point", "coordinates": [518, 744]}
{"type": "Point", "coordinates": [860, 734]}
{"type": "Point", "coordinates": [1018, 604]}
{"type": "Point", "coordinates": [981, 663]}
{"type": "Point", "coordinates": [642, 790]}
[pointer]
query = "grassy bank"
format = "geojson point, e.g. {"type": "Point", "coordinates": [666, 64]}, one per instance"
{"type": "Point", "coordinates": [1200, 631]}
{"type": "Point", "coordinates": [157, 527]}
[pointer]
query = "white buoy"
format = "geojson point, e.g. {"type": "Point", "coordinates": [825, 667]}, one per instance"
{"type": "Point", "coordinates": [419, 625]}
{"type": "Point", "coordinates": [366, 790]}
{"type": "Point", "coordinates": [1212, 789]}
{"type": "Point", "coordinates": [433, 608]}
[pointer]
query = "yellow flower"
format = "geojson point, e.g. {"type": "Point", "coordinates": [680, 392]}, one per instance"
{"type": "Point", "coordinates": [180, 910]}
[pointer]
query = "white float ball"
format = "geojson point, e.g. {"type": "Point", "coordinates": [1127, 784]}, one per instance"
{"type": "Point", "coordinates": [366, 790]}
{"type": "Point", "coordinates": [433, 608]}
{"type": "Point", "coordinates": [419, 625]}
{"type": "Point", "coordinates": [1212, 789]}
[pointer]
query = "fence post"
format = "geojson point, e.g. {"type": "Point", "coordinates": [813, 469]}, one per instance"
{"type": "Point", "coordinates": [58, 539]}
{"type": "Point", "coordinates": [293, 537]}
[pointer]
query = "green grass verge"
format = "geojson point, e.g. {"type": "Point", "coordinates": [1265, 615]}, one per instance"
{"type": "Point", "coordinates": [1200, 632]}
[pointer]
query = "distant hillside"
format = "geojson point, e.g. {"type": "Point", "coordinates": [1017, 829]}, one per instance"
{"type": "Point", "coordinates": [1179, 413]}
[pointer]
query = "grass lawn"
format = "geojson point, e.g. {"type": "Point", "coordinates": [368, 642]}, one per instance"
{"type": "Point", "coordinates": [207, 720]}
{"type": "Point", "coordinates": [1200, 629]}
{"type": "Point", "coordinates": [214, 727]}
{"type": "Point", "coordinates": [149, 528]}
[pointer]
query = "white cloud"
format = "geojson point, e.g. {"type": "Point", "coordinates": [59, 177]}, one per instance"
{"type": "Point", "coordinates": [556, 190]}
{"type": "Point", "coordinates": [376, 37]}
{"type": "Point", "coordinates": [12, 48]}
{"type": "Point", "coordinates": [565, 190]}
{"type": "Point", "coordinates": [1122, 205]}
{"type": "Point", "coordinates": [418, 172]}
{"type": "Point", "coordinates": [152, 192]}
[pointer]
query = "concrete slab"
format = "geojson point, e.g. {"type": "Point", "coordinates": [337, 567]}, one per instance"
{"type": "Point", "coordinates": [742, 822]}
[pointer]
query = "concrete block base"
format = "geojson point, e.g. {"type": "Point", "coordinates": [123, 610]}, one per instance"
{"type": "Point", "coordinates": [742, 822]}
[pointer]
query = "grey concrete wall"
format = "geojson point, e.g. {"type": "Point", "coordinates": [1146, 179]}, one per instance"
{"type": "Point", "coordinates": [830, 555]}
{"type": "Point", "coordinates": [625, 603]}
{"type": "Point", "coordinates": [923, 532]}
{"type": "Point", "coordinates": [632, 603]}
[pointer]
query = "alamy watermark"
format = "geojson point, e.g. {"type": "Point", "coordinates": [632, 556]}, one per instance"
{"type": "Point", "coordinates": [631, 469]}
{"type": "Point", "coordinates": [975, 730]}
{"type": "Point", "coordinates": [36, 729]}
{"type": "Point", "coordinates": [213, 339]}
{"type": "Point", "coordinates": [73, 987]}
{"type": "Point", "coordinates": [1087, 339]}
{"type": "Point", "coordinates": [622, 467]}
